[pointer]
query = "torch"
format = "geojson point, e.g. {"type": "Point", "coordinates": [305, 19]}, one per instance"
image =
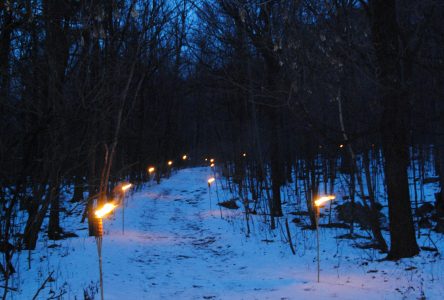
{"type": "Point", "coordinates": [151, 171]}
{"type": "Point", "coordinates": [185, 159]}
{"type": "Point", "coordinates": [318, 203]}
{"type": "Point", "coordinates": [100, 213]}
{"type": "Point", "coordinates": [170, 167]}
{"type": "Point", "coordinates": [212, 166]}
{"type": "Point", "coordinates": [124, 188]}
{"type": "Point", "coordinates": [210, 181]}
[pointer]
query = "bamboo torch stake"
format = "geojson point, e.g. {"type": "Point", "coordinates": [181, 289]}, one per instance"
{"type": "Point", "coordinates": [99, 237]}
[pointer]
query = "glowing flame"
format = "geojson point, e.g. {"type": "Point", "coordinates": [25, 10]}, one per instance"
{"type": "Point", "coordinates": [212, 160]}
{"type": "Point", "coordinates": [106, 209]}
{"type": "Point", "coordinates": [244, 155]}
{"type": "Point", "coordinates": [206, 159]}
{"type": "Point", "coordinates": [184, 157]}
{"type": "Point", "coordinates": [151, 170]}
{"type": "Point", "coordinates": [126, 187]}
{"type": "Point", "coordinates": [170, 162]}
{"type": "Point", "coordinates": [324, 199]}
{"type": "Point", "coordinates": [341, 146]}
{"type": "Point", "coordinates": [212, 165]}
{"type": "Point", "coordinates": [211, 180]}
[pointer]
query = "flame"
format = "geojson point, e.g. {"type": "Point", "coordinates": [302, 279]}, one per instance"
{"type": "Point", "coordinates": [206, 159]}
{"type": "Point", "coordinates": [212, 160]}
{"type": "Point", "coordinates": [244, 155]}
{"type": "Point", "coordinates": [170, 162]}
{"type": "Point", "coordinates": [341, 146]}
{"type": "Point", "coordinates": [126, 187]}
{"type": "Point", "coordinates": [211, 180]}
{"type": "Point", "coordinates": [184, 157]}
{"type": "Point", "coordinates": [106, 209]}
{"type": "Point", "coordinates": [212, 165]}
{"type": "Point", "coordinates": [324, 199]}
{"type": "Point", "coordinates": [151, 170]}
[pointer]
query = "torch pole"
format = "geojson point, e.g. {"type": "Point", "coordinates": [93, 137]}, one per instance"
{"type": "Point", "coordinates": [99, 235]}
{"type": "Point", "coordinates": [209, 194]}
{"type": "Point", "coordinates": [317, 240]}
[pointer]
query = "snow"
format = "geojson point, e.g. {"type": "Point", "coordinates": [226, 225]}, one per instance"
{"type": "Point", "coordinates": [175, 246]}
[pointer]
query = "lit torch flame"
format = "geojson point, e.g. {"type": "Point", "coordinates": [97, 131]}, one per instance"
{"type": "Point", "coordinates": [212, 165]}
{"type": "Point", "coordinates": [126, 187]}
{"type": "Point", "coordinates": [244, 154]}
{"type": "Point", "coordinates": [106, 209]}
{"type": "Point", "coordinates": [151, 170]}
{"type": "Point", "coordinates": [170, 162]}
{"type": "Point", "coordinates": [211, 180]}
{"type": "Point", "coordinates": [184, 157]}
{"type": "Point", "coordinates": [324, 199]}
{"type": "Point", "coordinates": [212, 160]}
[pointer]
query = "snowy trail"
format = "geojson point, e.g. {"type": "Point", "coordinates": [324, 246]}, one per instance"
{"type": "Point", "coordinates": [186, 251]}
{"type": "Point", "coordinates": [175, 247]}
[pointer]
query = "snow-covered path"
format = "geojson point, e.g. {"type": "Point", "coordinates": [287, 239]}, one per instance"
{"type": "Point", "coordinates": [175, 247]}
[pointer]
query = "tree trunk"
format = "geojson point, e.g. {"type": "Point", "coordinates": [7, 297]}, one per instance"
{"type": "Point", "coordinates": [54, 229]}
{"type": "Point", "coordinates": [276, 170]}
{"type": "Point", "coordinates": [5, 48]}
{"type": "Point", "coordinates": [36, 216]}
{"type": "Point", "coordinates": [395, 126]}
{"type": "Point", "coordinates": [78, 189]}
{"type": "Point", "coordinates": [92, 189]}
{"type": "Point", "coordinates": [311, 188]}
{"type": "Point", "coordinates": [374, 212]}
{"type": "Point", "coordinates": [440, 199]}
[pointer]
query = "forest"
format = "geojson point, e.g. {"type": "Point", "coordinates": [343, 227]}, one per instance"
{"type": "Point", "coordinates": [290, 98]}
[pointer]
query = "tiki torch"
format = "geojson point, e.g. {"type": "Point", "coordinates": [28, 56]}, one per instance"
{"type": "Point", "coordinates": [124, 188]}
{"type": "Point", "coordinates": [210, 181]}
{"type": "Point", "coordinates": [318, 203]}
{"type": "Point", "coordinates": [100, 213]}
{"type": "Point", "coordinates": [151, 171]}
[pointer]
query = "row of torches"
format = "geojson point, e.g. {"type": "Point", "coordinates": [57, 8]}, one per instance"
{"type": "Point", "coordinates": [152, 169]}
{"type": "Point", "coordinates": [110, 206]}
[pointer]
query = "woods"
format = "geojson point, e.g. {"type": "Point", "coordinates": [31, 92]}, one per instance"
{"type": "Point", "coordinates": [92, 92]}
